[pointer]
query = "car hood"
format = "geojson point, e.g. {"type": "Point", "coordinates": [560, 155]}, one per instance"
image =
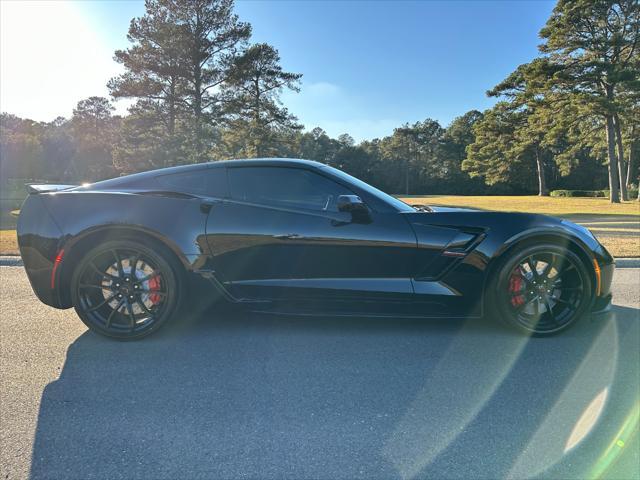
{"type": "Point", "coordinates": [438, 208]}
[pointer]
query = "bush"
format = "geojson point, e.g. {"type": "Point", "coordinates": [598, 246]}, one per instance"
{"type": "Point", "coordinates": [578, 193]}
{"type": "Point", "coordinates": [633, 193]}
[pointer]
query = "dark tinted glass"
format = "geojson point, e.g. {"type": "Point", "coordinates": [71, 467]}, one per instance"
{"type": "Point", "coordinates": [285, 187]}
{"type": "Point", "coordinates": [211, 182]}
{"type": "Point", "coordinates": [383, 197]}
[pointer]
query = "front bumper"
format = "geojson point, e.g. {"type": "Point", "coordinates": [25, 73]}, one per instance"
{"type": "Point", "coordinates": [602, 308]}
{"type": "Point", "coordinates": [602, 305]}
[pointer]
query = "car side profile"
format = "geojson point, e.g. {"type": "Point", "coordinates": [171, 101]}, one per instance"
{"type": "Point", "coordinates": [297, 237]}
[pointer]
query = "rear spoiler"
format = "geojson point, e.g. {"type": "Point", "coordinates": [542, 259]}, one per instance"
{"type": "Point", "coordinates": [46, 188]}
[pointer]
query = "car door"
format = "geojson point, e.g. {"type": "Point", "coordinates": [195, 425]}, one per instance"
{"type": "Point", "coordinates": [280, 236]}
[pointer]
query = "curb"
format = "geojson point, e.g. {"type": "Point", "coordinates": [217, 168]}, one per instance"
{"type": "Point", "coordinates": [10, 261]}
{"type": "Point", "coordinates": [627, 262]}
{"type": "Point", "coordinates": [16, 261]}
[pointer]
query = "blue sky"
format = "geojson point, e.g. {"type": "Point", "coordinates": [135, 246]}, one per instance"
{"type": "Point", "coordinates": [368, 66]}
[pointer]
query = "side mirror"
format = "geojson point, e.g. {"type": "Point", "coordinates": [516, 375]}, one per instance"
{"type": "Point", "coordinates": [350, 203]}
{"type": "Point", "coordinates": [354, 205]}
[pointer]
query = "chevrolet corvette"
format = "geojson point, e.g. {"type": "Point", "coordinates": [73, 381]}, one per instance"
{"type": "Point", "coordinates": [301, 238]}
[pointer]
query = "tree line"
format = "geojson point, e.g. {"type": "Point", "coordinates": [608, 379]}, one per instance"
{"type": "Point", "coordinates": [202, 91]}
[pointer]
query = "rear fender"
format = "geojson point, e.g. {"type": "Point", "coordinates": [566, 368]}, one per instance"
{"type": "Point", "coordinates": [81, 220]}
{"type": "Point", "coordinates": [39, 239]}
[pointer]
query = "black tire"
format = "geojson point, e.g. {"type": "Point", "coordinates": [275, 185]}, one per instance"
{"type": "Point", "coordinates": [126, 289]}
{"type": "Point", "coordinates": [541, 290]}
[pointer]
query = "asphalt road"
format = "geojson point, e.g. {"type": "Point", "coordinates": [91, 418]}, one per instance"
{"type": "Point", "coordinates": [242, 396]}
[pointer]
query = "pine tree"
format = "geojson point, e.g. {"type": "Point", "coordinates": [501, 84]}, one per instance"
{"type": "Point", "coordinates": [593, 44]}
{"type": "Point", "coordinates": [497, 154]}
{"type": "Point", "coordinates": [181, 55]}
{"type": "Point", "coordinates": [252, 99]}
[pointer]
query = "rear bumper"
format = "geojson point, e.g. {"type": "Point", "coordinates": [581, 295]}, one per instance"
{"type": "Point", "coordinates": [39, 240]}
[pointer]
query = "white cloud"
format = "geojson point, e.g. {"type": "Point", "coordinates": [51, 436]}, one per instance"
{"type": "Point", "coordinates": [50, 58]}
{"type": "Point", "coordinates": [322, 89]}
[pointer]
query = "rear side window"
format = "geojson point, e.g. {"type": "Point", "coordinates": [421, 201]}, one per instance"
{"type": "Point", "coordinates": [210, 182]}
{"type": "Point", "coordinates": [285, 187]}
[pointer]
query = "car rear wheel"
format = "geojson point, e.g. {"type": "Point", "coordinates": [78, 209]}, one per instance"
{"type": "Point", "coordinates": [543, 290]}
{"type": "Point", "coordinates": [125, 289]}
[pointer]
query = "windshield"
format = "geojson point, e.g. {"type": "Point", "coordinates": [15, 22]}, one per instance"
{"type": "Point", "coordinates": [385, 197]}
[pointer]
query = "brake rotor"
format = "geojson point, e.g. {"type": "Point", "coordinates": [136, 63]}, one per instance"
{"type": "Point", "coordinates": [141, 270]}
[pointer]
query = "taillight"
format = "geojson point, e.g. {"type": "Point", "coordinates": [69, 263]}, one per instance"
{"type": "Point", "coordinates": [56, 264]}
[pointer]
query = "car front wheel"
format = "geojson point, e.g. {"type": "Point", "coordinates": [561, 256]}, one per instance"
{"type": "Point", "coordinates": [542, 290]}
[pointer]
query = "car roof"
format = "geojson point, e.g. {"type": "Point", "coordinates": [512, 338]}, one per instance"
{"type": "Point", "coordinates": [262, 162]}
{"type": "Point", "coordinates": [267, 162]}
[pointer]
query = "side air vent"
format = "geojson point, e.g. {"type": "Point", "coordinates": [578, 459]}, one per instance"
{"type": "Point", "coordinates": [461, 244]}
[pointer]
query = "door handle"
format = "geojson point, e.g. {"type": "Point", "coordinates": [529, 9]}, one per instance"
{"type": "Point", "coordinates": [288, 236]}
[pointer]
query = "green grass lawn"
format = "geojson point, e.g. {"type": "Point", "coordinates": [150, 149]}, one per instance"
{"type": "Point", "coordinates": [8, 243]}
{"type": "Point", "coordinates": [557, 206]}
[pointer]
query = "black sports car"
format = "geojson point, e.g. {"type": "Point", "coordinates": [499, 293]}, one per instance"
{"type": "Point", "coordinates": [297, 237]}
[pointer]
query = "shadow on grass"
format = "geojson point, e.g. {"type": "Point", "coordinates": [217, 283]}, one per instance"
{"type": "Point", "coordinates": [610, 220]}
{"type": "Point", "coordinates": [277, 397]}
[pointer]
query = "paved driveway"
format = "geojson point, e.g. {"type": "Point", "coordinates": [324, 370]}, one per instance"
{"type": "Point", "coordinates": [235, 396]}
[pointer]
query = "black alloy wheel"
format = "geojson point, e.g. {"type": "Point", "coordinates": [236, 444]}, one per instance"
{"type": "Point", "coordinates": [125, 290]}
{"type": "Point", "coordinates": [543, 290]}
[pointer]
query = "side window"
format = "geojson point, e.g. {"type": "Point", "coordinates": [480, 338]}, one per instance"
{"type": "Point", "coordinates": [210, 182]}
{"type": "Point", "coordinates": [285, 187]}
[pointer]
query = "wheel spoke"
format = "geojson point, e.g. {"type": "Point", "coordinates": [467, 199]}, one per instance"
{"type": "Point", "coordinates": [547, 269]}
{"type": "Point", "coordinates": [105, 301]}
{"type": "Point", "coordinates": [560, 300]}
{"type": "Point", "coordinates": [567, 288]}
{"type": "Point", "coordinates": [103, 274]}
{"type": "Point", "coordinates": [119, 263]}
{"type": "Point", "coordinates": [113, 312]}
{"type": "Point", "coordinates": [154, 292]}
{"type": "Point", "coordinates": [97, 287]}
{"type": "Point", "coordinates": [148, 277]}
{"type": "Point", "coordinates": [131, 316]}
{"type": "Point", "coordinates": [550, 310]}
{"type": "Point", "coordinates": [525, 304]}
{"type": "Point", "coordinates": [522, 275]}
{"type": "Point", "coordinates": [144, 307]}
{"type": "Point", "coordinates": [532, 266]}
{"type": "Point", "coordinates": [566, 270]}
{"type": "Point", "coordinates": [133, 263]}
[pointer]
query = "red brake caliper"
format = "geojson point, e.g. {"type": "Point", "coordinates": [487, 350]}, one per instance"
{"type": "Point", "coordinates": [154, 284]}
{"type": "Point", "coordinates": [515, 286]}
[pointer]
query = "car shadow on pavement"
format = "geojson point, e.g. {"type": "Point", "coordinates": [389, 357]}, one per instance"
{"type": "Point", "coordinates": [257, 396]}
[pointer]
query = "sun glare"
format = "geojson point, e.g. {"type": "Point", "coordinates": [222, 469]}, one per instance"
{"type": "Point", "coordinates": [50, 58]}
{"type": "Point", "coordinates": [587, 420]}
